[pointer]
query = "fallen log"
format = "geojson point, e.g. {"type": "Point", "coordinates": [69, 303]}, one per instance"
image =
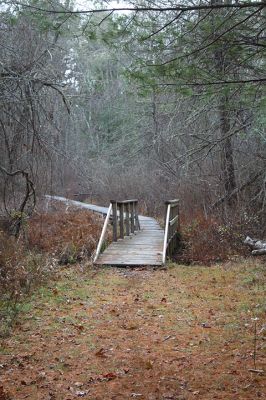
{"type": "Point", "coordinates": [258, 246]}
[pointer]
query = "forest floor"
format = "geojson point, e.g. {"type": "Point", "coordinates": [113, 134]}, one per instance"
{"type": "Point", "coordinates": [180, 333]}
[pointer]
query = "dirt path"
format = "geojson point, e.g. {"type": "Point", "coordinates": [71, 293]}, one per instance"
{"type": "Point", "coordinates": [184, 333]}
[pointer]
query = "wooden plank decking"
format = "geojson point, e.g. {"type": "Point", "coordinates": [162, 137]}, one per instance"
{"type": "Point", "coordinates": [145, 247]}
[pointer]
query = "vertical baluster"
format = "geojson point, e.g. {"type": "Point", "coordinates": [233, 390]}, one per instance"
{"type": "Point", "coordinates": [175, 229]}
{"type": "Point", "coordinates": [171, 233]}
{"type": "Point", "coordinates": [127, 218]}
{"type": "Point", "coordinates": [121, 214]}
{"type": "Point", "coordinates": [165, 222]}
{"type": "Point", "coordinates": [136, 217]}
{"type": "Point", "coordinates": [178, 212]}
{"type": "Point", "coordinates": [177, 226]}
{"type": "Point", "coordinates": [131, 207]}
{"type": "Point", "coordinates": [114, 214]}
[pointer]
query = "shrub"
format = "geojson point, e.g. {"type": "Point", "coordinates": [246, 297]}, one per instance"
{"type": "Point", "coordinates": [68, 236]}
{"type": "Point", "coordinates": [209, 240]}
{"type": "Point", "coordinates": [11, 254]}
{"type": "Point", "coordinates": [19, 271]}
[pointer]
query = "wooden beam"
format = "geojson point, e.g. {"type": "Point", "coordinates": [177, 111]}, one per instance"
{"type": "Point", "coordinates": [114, 215]}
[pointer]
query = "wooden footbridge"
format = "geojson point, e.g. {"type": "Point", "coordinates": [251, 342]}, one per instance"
{"type": "Point", "coordinates": [136, 239]}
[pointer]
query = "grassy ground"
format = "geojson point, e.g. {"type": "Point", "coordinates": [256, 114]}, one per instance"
{"type": "Point", "coordinates": [181, 333]}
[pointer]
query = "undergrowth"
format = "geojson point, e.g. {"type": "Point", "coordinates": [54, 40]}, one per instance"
{"type": "Point", "coordinates": [70, 237]}
{"type": "Point", "coordinates": [209, 240]}
{"type": "Point", "coordinates": [48, 240]}
{"type": "Point", "coordinates": [20, 271]}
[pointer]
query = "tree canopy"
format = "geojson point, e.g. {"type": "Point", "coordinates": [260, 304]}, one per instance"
{"type": "Point", "coordinates": [142, 99]}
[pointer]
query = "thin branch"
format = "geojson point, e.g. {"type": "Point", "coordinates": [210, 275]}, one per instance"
{"type": "Point", "coordinates": [180, 7]}
{"type": "Point", "coordinates": [107, 16]}
{"type": "Point", "coordinates": [58, 91]}
{"type": "Point", "coordinates": [163, 27]}
{"type": "Point", "coordinates": [210, 43]}
{"type": "Point", "coordinates": [238, 189]}
{"type": "Point", "coordinates": [14, 75]}
{"type": "Point", "coordinates": [30, 192]}
{"type": "Point", "coordinates": [239, 81]}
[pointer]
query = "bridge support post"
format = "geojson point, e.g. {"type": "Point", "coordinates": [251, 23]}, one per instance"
{"type": "Point", "coordinates": [132, 227]}
{"type": "Point", "coordinates": [127, 219]}
{"type": "Point", "coordinates": [114, 215]}
{"type": "Point", "coordinates": [172, 224]}
{"type": "Point", "coordinates": [121, 218]}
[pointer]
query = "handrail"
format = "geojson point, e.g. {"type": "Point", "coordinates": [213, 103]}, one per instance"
{"type": "Point", "coordinates": [165, 242]}
{"type": "Point", "coordinates": [103, 233]}
{"type": "Point", "coordinates": [171, 227]}
{"type": "Point", "coordinates": [127, 201]}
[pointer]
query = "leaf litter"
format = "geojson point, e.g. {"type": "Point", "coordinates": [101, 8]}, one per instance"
{"type": "Point", "coordinates": [181, 333]}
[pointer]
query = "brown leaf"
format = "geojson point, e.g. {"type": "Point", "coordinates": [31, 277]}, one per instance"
{"type": "Point", "coordinates": [130, 327]}
{"type": "Point", "coordinates": [149, 364]}
{"type": "Point", "coordinates": [79, 327]}
{"type": "Point", "coordinates": [101, 353]}
{"type": "Point", "coordinates": [3, 394]}
{"type": "Point", "coordinates": [110, 376]}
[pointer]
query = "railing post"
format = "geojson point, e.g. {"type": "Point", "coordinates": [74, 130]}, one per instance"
{"type": "Point", "coordinates": [171, 224]}
{"type": "Point", "coordinates": [121, 218]}
{"type": "Point", "coordinates": [131, 207]}
{"type": "Point", "coordinates": [114, 215]}
{"type": "Point", "coordinates": [171, 244]}
{"type": "Point", "coordinates": [136, 216]}
{"type": "Point", "coordinates": [178, 221]}
{"type": "Point", "coordinates": [127, 218]}
{"type": "Point", "coordinates": [177, 226]}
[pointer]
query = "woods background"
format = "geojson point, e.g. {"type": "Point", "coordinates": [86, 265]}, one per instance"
{"type": "Point", "coordinates": [153, 102]}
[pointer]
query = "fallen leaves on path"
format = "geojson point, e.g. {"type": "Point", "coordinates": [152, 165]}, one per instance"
{"type": "Point", "coordinates": [182, 333]}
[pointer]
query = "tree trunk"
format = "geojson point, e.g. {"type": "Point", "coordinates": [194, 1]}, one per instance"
{"type": "Point", "coordinates": [222, 64]}
{"type": "Point", "coordinates": [227, 159]}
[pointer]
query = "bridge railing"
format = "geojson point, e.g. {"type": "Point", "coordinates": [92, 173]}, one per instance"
{"type": "Point", "coordinates": [172, 224]}
{"type": "Point", "coordinates": [125, 218]}
{"type": "Point", "coordinates": [125, 221]}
